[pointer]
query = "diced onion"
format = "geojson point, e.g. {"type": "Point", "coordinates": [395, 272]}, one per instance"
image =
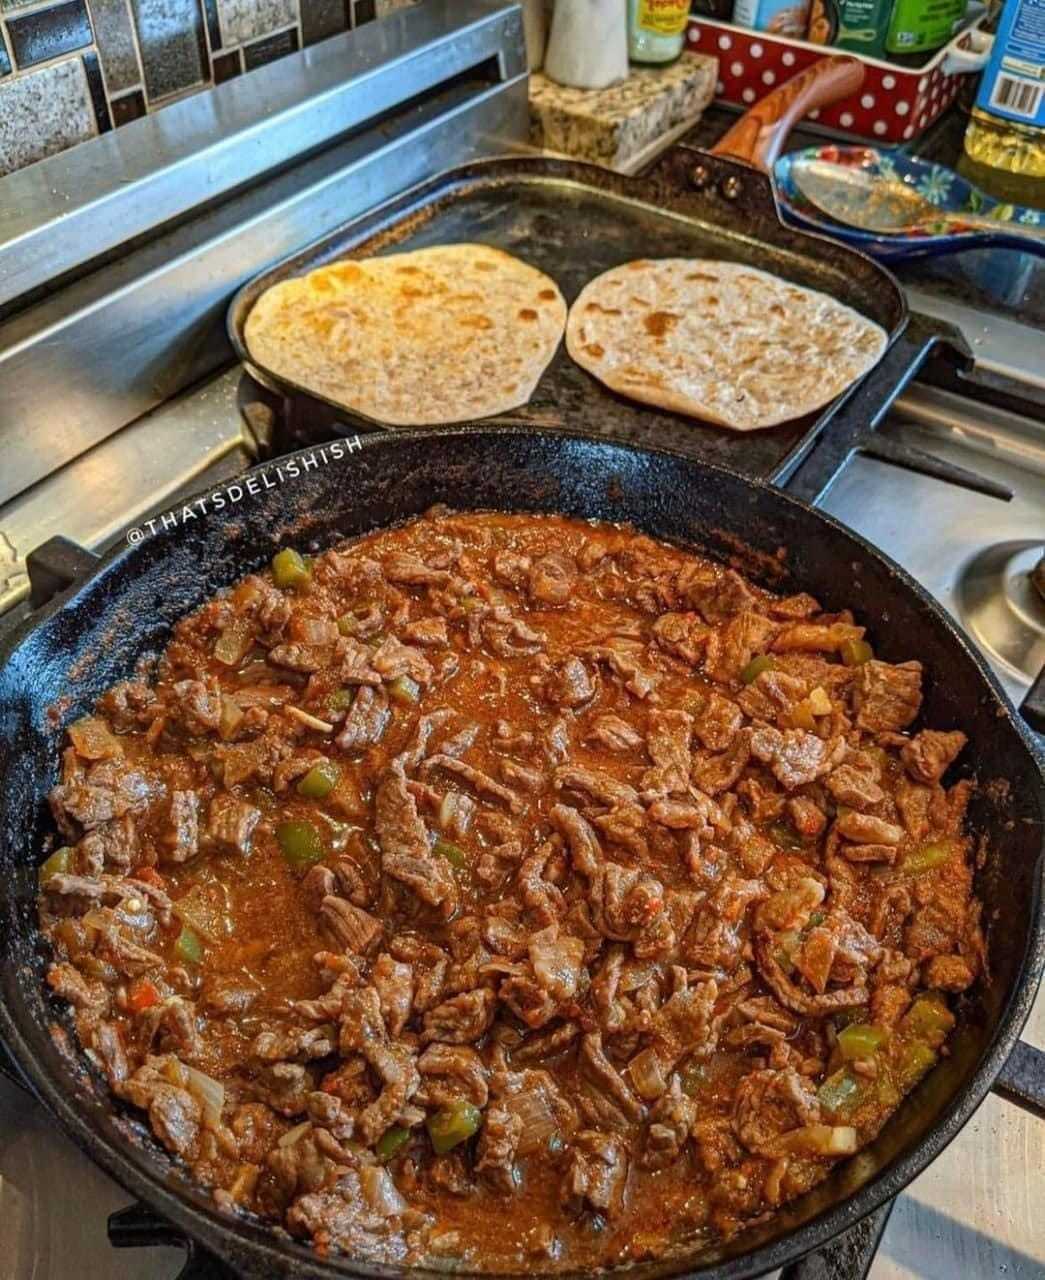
{"type": "Point", "coordinates": [93, 739]}
{"type": "Point", "coordinates": [234, 642]}
{"type": "Point", "coordinates": [380, 1191]}
{"type": "Point", "coordinates": [538, 1120]}
{"type": "Point", "coordinates": [819, 702]}
{"type": "Point", "coordinates": [313, 722]}
{"type": "Point", "coordinates": [209, 1092]}
{"type": "Point", "coordinates": [647, 1074]}
{"type": "Point", "coordinates": [205, 909]}
{"type": "Point", "coordinates": [294, 1135]}
{"type": "Point", "coordinates": [819, 1140]}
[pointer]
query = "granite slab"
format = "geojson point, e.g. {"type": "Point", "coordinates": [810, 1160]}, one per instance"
{"type": "Point", "coordinates": [613, 126]}
{"type": "Point", "coordinates": [44, 112]}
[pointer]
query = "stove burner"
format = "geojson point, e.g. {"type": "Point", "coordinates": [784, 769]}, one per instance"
{"type": "Point", "coordinates": [1001, 598]}
{"type": "Point", "coordinates": [1037, 577]}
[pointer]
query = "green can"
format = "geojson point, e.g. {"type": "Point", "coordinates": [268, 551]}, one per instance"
{"type": "Point", "coordinates": [863, 26]}
{"type": "Point", "coordinates": [919, 26]}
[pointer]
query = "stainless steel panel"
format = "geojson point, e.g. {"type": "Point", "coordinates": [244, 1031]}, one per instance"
{"type": "Point", "coordinates": [126, 477]}
{"type": "Point", "coordinates": [1000, 345]}
{"type": "Point", "coordinates": [107, 349]}
{"type": "Point", "coordinates": [71, 208]}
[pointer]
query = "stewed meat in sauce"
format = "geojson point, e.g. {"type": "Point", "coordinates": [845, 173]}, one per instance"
{"type": "Point", "coordinates": [511, 891]}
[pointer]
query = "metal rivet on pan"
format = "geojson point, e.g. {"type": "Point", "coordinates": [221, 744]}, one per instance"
{"type": "Point", "coordinates": [700, 177]}
{"type": "Point", "coordinates": [731, 188]}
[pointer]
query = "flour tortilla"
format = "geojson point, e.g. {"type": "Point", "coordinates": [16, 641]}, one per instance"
{"type": "Point", "coordinates": [719, 341]}
{"type": "Point", "coordinates": [447, 334]}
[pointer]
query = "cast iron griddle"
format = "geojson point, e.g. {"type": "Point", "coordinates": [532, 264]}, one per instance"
{"type": "Point", "coordinates": [574, 221]}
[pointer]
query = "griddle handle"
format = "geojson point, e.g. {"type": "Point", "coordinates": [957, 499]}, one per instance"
{"type": "Point", "coordinates": [760, 133]}
{"type": "Point", "coordinates": [846, 1257]}
{"type": "Point", "coordinates": [853, 424]}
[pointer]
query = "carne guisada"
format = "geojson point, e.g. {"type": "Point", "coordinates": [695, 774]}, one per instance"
{"type": "Point", "coordinates": [511, 891]}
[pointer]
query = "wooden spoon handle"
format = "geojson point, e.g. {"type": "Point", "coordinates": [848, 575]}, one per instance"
{"type": "Point", "coordinates": [759, 134]}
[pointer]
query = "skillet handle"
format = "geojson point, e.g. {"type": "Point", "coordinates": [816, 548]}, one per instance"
{"type": "Point", "coordinates": [759, 134]}
{"type": "Point", "coordinates": [54, 566]}
{"type": "Point", "coordinates": [849, 1256]}
{"type": "Point", "coordinates": [9, 1070]}
{"type": "Point", "coordinates": [137, 1227]}
{"type": "Point", "coordinates": [1032, 708]}
{"type": "Point", "coordinates": [1022, 1079]}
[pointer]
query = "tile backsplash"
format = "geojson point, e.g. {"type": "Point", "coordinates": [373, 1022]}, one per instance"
{"type": "Point", "coordinates": [76, 68]}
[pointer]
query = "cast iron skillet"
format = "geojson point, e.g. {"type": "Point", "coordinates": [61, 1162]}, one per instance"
{"type": "Point", "coordinates": [92, 635]}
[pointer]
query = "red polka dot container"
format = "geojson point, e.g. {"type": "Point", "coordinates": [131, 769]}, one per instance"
{"type": "Point", "coordinates": [895, 103]}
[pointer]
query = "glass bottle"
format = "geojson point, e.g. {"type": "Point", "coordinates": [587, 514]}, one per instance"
{"type": "Point", "coordinates": [1005, 140]}
{"type": "Point", "coordinates": [656, 29]}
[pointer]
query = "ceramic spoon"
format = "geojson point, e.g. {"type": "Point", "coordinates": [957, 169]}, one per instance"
{"type": "Point", "coordinates": [888, 206]}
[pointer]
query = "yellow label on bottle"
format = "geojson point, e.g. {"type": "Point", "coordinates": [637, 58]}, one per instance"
{"type": "Point", "coordinates": [663, 17]}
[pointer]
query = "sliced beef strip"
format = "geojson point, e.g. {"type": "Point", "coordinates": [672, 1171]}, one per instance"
{"type": "Point", "coordinates": [929, 754]}
{"type": "Point", "coordinates": [231, 824]}
{"type": "Point", "coordinates": [349, 926]}
{"type": "Point", "coordinates": [363, 1031]}
{"type": "Point", "coordinates": [717, 721]}
{"type": "Point", "coordinates": [405, 851]}
{"type": "Point", "coordinates": [625, 659]}
{"type": "Point", "coordinates": [569, 684]}
{"type": "Point", "coordinates": [596, 1173]}
{"type": "Point", "coordinates": [450, 1073]}
{"type": "Point", "coordinates": [497, 1148]}
{"type": "Point", "coordinates": [600, 786]}
{"type": "Point", "coordinates": [552, 578]}
{"type": "Point", "coordinates": [716, 773]}
{"type": "Point", "coordinates": [615, 734]}
{"type": "Point", "coordinates": [463, 1019]}
{"type": "Point", "coordinates": [718, 594]}
{"type": "Point", "coordinates": [366, 721]}
{"type": "Point", "coordinates": [683, 635]}
{"type": "Point", "coordinates": [668, 735]}
{"type": "Point", "coordinates": [481, 783]}
{"type": "Point", "coordinates": [887, 697]}
{"type": "Point", "coordinates": [795, 756]}
{"type": "Point", "coordinates": [182, 837]}
{"type": "Point", "coordinates": [113, 846]}
{"type": "Point", "coordinates": [731, 648]}
{"type": "Point", "coordinates": [670, 1123]}
{"type": "Point", "coordinates": [106, 791]}
{"type": "Point", "coordinates": [855, 787]}
{"type": "Point", "coordinates": [393, 659]}
{"type": "Point", "coordinates": [174, 1113]}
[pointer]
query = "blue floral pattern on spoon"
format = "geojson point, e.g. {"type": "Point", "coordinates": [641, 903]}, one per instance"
{"type": "Point", "coordinates": [940, 185]}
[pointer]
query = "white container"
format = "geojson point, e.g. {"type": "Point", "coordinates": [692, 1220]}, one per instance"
{"type": "Point", "coordinates": [536, 32]}
{"type": "Point", "coordinates": [588, 45]}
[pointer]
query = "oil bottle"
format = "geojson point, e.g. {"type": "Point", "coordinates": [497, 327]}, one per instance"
{"type": "Point", "coordinates": [1005, 139]}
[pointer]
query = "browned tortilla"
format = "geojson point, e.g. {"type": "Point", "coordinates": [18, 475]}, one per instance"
{"type": "Point", "coordinates": [719, 341]}
{"type": "Point", "coordinates": [438, 335]}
